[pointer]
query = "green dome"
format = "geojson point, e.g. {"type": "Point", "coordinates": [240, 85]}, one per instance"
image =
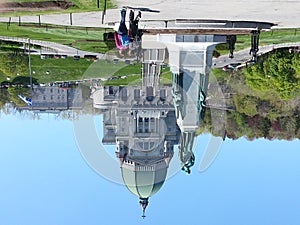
{"type": "Point", "coordinates": [144, 183]}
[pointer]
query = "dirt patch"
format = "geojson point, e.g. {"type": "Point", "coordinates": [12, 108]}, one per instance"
{"type": "Point", "coordinates": [35, 6]}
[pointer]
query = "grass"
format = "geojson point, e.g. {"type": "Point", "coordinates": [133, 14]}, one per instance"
{"type": "Point", "coordinates": [131, 80]}
{"type": "Point", "coordinates": [50, 70]}
{"type": "Point", "coordinates": [276, 36]}
{"type": "Point", "coordinates": [80, 6]}
{"type": "Point", "coordinates": [135, 69]}
{"type": "Point", "coordinates": [103, 69]}
{"type": "Point", "coordinates": [90, 39]}
{"type": "Point", "coordinates": [166, 76]}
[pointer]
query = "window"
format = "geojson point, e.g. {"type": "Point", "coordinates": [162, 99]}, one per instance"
{"type": "Point", "coordinates": [136, 94]}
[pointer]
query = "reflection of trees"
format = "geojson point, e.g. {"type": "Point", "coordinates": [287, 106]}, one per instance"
{"type": "Point", "coordinates": [272, 112]}
{"type": "Point", "coordinates": [69, 115]}
{"type": "Point", "coordinates": [10, 109]}
{"type": "Point", "coordinates": [276, 72]}
{"type": "Point", "coordinates": [4, 97]}
{"type": "Point", "coordinates": [15, 91]}
{"type": "Point", "coordinates": [246, 104]}
{"type": "Point", "coordinates": [238, 124]}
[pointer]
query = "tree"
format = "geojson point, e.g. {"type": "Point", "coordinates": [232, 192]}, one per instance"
{"type": "Point", "coordinates": [15, 91]}
{"type": "Point", "coordinates": [246, 104]}
{"type": "Point", "coordinates": [296, 64]}
{"type": "Point", "coordinates": [277, 73]}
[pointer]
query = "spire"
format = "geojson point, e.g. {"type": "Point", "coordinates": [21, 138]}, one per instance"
{"type": "Point", "coordinates": [144, 202]}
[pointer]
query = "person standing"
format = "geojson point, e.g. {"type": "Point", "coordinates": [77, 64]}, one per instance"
{"type": "Point", "coordinates": [121, 36]}
{"type": "Point", "coordinates": [133, 29]}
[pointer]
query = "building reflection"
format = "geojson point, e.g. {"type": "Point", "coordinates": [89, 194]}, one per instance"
{"type": "Point", "coordinates": [55, 99]}
{"type": "Point", "coordinates": [146, 122]}
{"type": "Point", "coordinates": [190, 58]}
{"type": "Point", "coordinates": [141, 121]}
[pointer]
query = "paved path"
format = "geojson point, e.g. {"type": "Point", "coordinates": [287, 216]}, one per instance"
{"type": "Point", "coordinates": [243, 55]}
{"type": "Point", "coordinates": [51, 47]}
{"type": "Point", "coordinates": [285, 13]}
{"type": "Point", "coordinates": [239, 57]}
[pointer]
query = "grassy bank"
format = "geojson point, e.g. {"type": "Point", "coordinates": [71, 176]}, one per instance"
{"type": "Point", "coordinates": [88, 39]}
{"type": "Point", "coordinates": [79, 6]}
{"type": "Point", "coordinates": [91, 39]}
{"type": "Point", "coordinates": [276, 36]}
{"type": "Point", "coordinates": [15, 68]}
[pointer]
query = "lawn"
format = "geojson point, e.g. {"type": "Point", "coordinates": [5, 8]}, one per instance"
{"type": "Point", "coordinates": [80, 6]}
{"type": "Point", "coordinates": [132, 80]}
{"type": "Point", "coordinates": [90, 39]}
{"type": "Point", "coordinates": [277, 36]}
{"type": "Point", "coordinates": [50, 70]}
{"type": "Point", "coordinates": [166, 76]}
{"type": "Point", "coordinates": [105, 69]}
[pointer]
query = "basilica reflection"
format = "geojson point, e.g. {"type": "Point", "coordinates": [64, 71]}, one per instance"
{"type": "Point", "coordinates": [146, 122]}
{"type": "Point", "coordinates": [141, 121]}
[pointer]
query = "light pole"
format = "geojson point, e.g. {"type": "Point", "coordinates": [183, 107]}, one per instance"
{"type": "Point", "coordinates": [104, 11]}
{"type": "Point", "coordinates": [29, 62]}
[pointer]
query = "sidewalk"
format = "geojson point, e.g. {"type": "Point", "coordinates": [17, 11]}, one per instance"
{"type": "Point", "coordinates": [53, 47]}
{"type": "Point", "coordinates": [243, 55]}
{"type": "Point", "coordinates": [284, 13]}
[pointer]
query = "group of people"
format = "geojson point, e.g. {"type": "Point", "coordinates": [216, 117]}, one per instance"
{"type": "Point", "coordinates": [123, 37]}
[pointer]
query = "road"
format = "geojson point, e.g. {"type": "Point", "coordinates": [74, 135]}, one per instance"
{"type": "Point", "coordinates": [285, 13]}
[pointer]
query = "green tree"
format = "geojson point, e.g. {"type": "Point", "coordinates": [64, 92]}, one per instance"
{"type": "Point", "coordinates": [296, 64]}
{"type": "Point", "coordinates": [246, 104]}
{"type": "Point", "coordinates": [275, 73]}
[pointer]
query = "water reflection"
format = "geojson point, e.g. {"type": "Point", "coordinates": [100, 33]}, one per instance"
{"type": "Point", "coordinates": [55, 99]}
{"type": "Point", "coordinates": [142, 124]}
{"type": "Point", "coordinates": [141, 121]}
{"type": "Point", "coordinates": [147, 122]}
